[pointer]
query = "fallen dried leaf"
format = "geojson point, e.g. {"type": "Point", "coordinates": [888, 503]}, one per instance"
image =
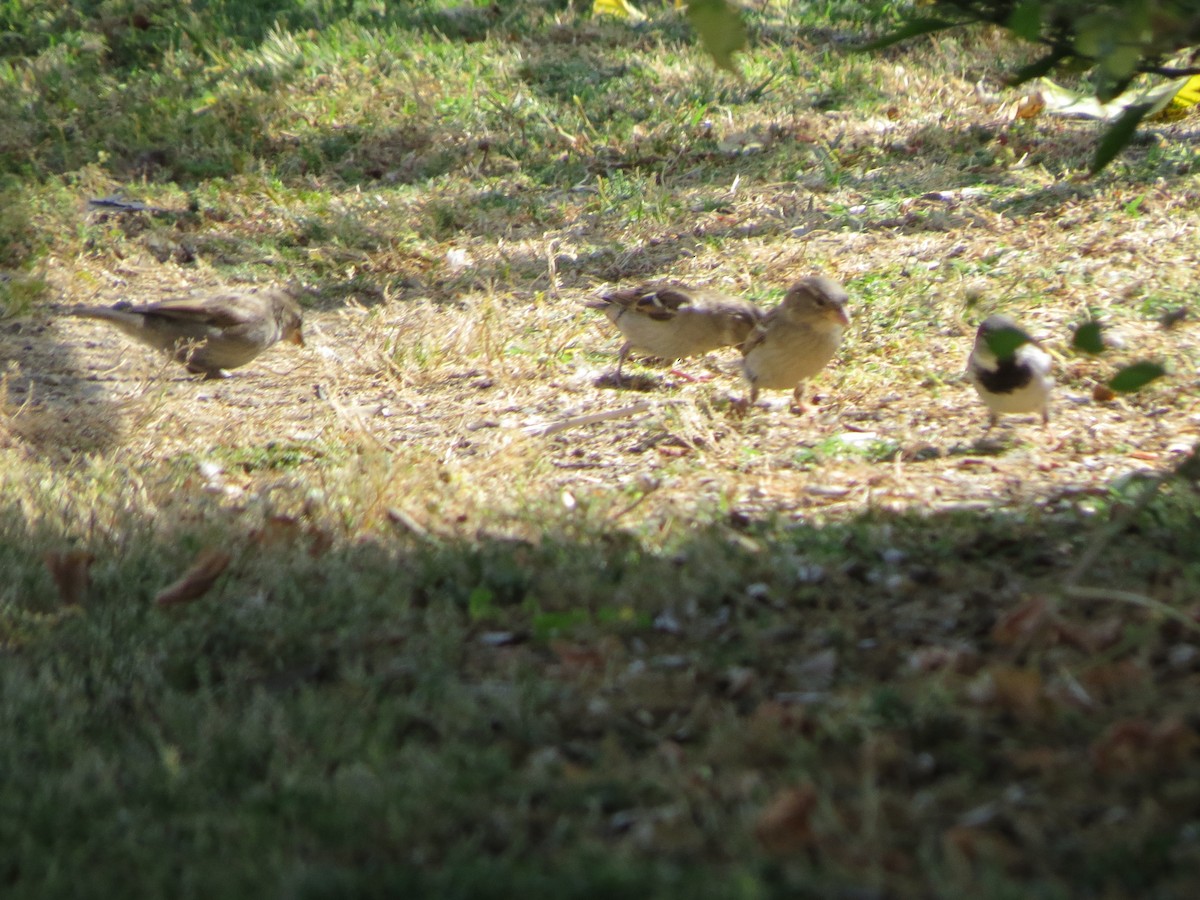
{"type": "Point", "coordinates": [574, 658]}
{"type": "Point", "coordinates": [1041, 760]}
{"type": "Point", "coordinates": [785, 826]}
{"type": "Point", "coordinates": [740, 142]}
{"type": "Point", "coordinates": [195, 582]}
{"type": "Point", "coordinates": [963, 659]}
{"type": "Point", "coordinates": [1090, 637]}
{"type": "Point", "coordinates": [673, 452]}
{"type": "Point", "coordinates": [1110, 680]}
{"type": "Point", "coordinates": [1136, 746]}
{"type": "Point", "coordinates": [322, 540]}
{"type": "Point", "coordinates": [968, 844]}
{"type": "Point", "coordinates": [1030, 107]}
{"type": "Point", "coordinates": [775, 717]}
{"type": "Point", "coordinates": [768, 735]}
{"type": "Point", "coordinates": [278, 529]}
{"type": "Point", "coordinates": [1024, 623]}
{"type": "Point", "coordinates": [70, 571]}
{"type": "Point", "coordinates": [1102, 393]}
{"type": "Point", "coordinates": [1017, 691]}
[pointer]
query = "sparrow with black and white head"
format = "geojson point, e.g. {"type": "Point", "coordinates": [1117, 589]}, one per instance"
{"type": "Point", "coordinates": [673, 321]}
{"type": "Point", "coordinates": [796, 339]}
{"type": "Point", "coordinates": [211, 332]}
{"type": "Point", "coordinates": [1010, 371]}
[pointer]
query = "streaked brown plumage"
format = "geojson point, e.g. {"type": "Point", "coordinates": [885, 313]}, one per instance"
{"type": "Point", "coordinates": [797, 338]}
{"type": "Point", "coordinates": [673, 321]}
{"type": "Point", "coordinates": [212, 332]}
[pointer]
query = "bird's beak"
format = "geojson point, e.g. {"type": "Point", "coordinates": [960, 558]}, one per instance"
{"type": "Point", "coordinates": [842, 315]}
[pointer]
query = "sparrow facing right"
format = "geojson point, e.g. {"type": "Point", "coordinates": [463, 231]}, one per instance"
{"type": "Point", "coordinates": [797, 338]}
{"type": "Point", "coordinates": [208, 333]}
{"type": "Point", "coordinates": [1016, 383]}
{"type": "Point", "coordinates": [673, 320]}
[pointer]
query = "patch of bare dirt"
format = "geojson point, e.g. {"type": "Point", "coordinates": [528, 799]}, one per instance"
{"type": "Point", "coordinates": [915, 439]}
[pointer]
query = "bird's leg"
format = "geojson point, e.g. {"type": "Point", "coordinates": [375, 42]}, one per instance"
{"type": "Point", "coordinates": [798, 406]}
{"type": "Point", "coordinates": [625, 348]}
{"type": "Point", "coordinates": [185, 352]}
{"type": "Point", "coordinates": [1053, 441]}
{"type": "Point", "coordinates": [741, 405]}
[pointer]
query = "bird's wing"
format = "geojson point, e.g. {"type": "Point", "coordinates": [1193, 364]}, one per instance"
{"type": "Point", "coordinates": [658, 301]}
{"type": "Point", "coordinates": [742, 311]}
{"type": "Point", "coordinates": [761, 329]}
{"type": "Point", "coordinates": [221, 311]}
{"type": "Point", "coordinates": [667, 300]}
{"type": "Point", "coordinates": [1035, 357]}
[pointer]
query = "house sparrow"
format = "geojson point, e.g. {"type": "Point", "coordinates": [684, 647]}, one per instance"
{"type": "Point", "coordinates": [797, 338]}
{"type": "Point", "coordinates": [673, 320]}
{"type": "Point", "coordinates": [1017, 382]}
{"type": "Point", "coordinates": [209, 332]}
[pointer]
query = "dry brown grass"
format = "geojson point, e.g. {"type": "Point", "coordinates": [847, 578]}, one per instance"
{"type": "Point", "coordinates": [464, 386]}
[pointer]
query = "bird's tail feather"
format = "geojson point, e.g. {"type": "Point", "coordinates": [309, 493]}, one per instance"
{"type": "Point", "coordinates": [123, 319]}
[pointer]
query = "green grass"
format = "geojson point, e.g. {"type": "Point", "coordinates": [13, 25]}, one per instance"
{"type": "Point", "coordinates": [450, 660]}
{"type": "Point", "coordinates": [343, 723]}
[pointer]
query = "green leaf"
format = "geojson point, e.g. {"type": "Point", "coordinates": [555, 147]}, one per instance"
{"type": "Point", "coordinates": [1136, 377]}
{"type": "Point", "coordinates": [623, 615]}
{"type": "Point", "coordinates": [1133, 206]}
{"type": "Point", "coordinates": [547, 625]}
{"type": "Point", "coordinates": [1026, 19]}
{"type": "Point", "coordinates": [1038, 67]}
{"type": "Point", "coordinates": [1003, 342]}
{"type": "Point", "coordinates": [1115, 139]}
{"type": "Point", "coordinates": [1088, 338]}
{"type": "Point", "coordinates": [721, 30]}
{"type": "Point", "coordinates": [910, 29]}
{"type": "Point", "coordinates": [1108, 89]}
{"type": "Point", "coordinates": [1121, 62]}
{"type": "Point", "coordinates": [480, 602]}
{"type": "Point", "coordinates": [1093, 36]}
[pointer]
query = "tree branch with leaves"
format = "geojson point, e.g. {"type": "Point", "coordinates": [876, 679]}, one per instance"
{"type": "Point", "coordinates": [1111, 43]}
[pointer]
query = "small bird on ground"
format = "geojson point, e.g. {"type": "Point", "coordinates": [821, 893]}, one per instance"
{"type": "Point", "coordinates": [1009, 370]}
{"type": "Point", "coordinates": [673, 320]}
{"type": "Point", "coordinates": [208, 333]}
{"type": "Point", "coordinates": [797, 338]}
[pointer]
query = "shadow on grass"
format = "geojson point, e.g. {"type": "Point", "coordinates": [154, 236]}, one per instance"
{"type": "Point", "coordinates": [46, 400]}
{"type": "Point", "coordinates": [888, 706]}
